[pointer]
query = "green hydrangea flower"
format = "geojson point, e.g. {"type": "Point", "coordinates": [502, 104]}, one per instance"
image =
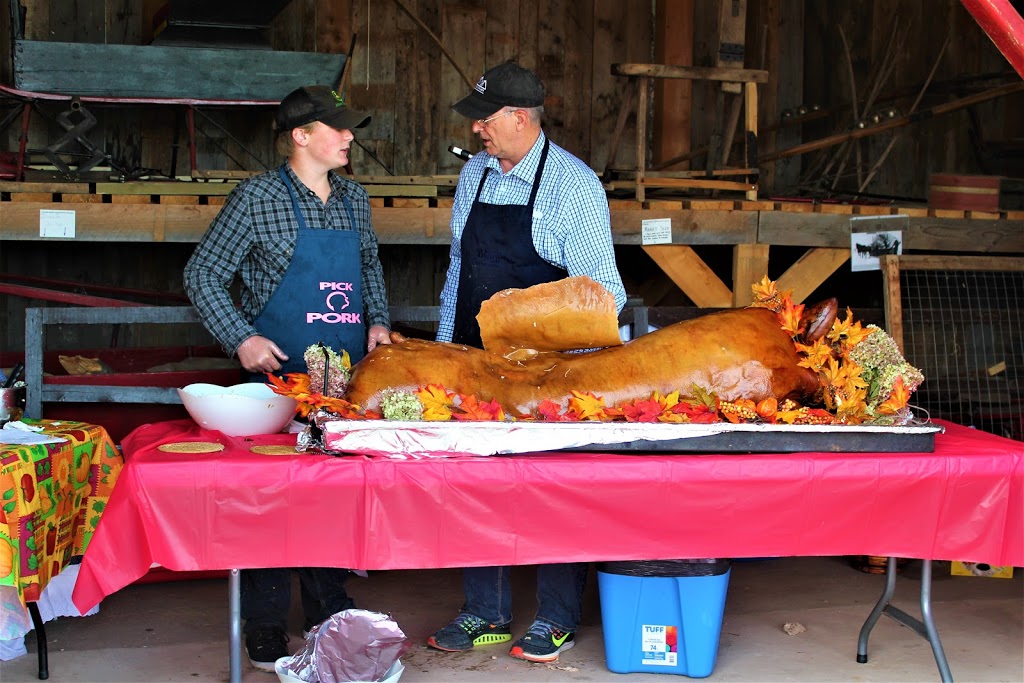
{"type": "Point", "coordinates": [400, 405]}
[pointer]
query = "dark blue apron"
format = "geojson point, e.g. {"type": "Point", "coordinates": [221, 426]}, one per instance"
{"type": "Point", "coordinates": [497, 254]}
{"type": "Point", "coordinates": [320, 297]}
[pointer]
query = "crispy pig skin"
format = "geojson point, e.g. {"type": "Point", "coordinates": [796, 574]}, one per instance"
{"type": "Point", "coordinates": [572, 313]}
{"type": "Point", "coordinates": [739, 353]}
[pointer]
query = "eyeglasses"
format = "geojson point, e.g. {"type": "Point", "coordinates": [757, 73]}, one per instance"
{"type": "Point", "coordinates": [484, 122]}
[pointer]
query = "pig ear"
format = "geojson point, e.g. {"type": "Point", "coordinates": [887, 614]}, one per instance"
{"type": "Point", "coordinates": [817, 320]}
{"type": "Point", "coordinates": [397, 337]}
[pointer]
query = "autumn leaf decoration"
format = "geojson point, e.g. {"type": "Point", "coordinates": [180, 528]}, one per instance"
{"type": "Point", "coordinates": [437, 402]}
{"type": "Point", "coordinates": [297, 386]}
{"type": "Point", "coordinates": [863, 376]}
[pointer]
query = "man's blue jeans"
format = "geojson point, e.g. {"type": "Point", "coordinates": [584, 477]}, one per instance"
{"type": "Point", "coordinates": [267, 595]}
{"type": "Point", "coordinates": [559, 593]}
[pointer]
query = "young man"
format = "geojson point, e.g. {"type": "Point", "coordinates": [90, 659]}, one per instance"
{"type": "Point", "coordinates": [526, 211]}
{"type": "Point", "coordinates": [300, 241]}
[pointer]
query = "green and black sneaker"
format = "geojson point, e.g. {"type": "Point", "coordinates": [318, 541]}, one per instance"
{"type": "Point", "coordinates": [542, 643]}
{"type": "Point", "coordinates": [466, 632]}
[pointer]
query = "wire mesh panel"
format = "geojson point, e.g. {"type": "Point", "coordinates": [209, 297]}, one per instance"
{"type": "Point", "coordinates": [963, 329]}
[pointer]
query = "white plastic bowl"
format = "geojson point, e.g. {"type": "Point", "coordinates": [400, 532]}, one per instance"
{"type": "Point", "coordinates": [239, 410]}
{"type": "Point", "coordinates": [285, 676]}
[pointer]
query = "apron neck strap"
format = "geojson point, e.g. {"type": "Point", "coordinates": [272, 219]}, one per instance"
{"type": "Point", "coordinates": [295, 202]}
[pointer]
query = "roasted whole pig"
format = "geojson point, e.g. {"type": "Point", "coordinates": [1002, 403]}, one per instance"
{"type": "Point", "coordinates": [739, 353]}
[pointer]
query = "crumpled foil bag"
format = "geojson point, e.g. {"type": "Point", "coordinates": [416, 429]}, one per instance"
{"type": "Point", "coordinates": [352, 645]}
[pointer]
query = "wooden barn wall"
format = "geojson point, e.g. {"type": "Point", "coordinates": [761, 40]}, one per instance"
{"type": "Point", "coordinates": [399, 75]}
{"type": "Point", "coordinates": [981, 139]}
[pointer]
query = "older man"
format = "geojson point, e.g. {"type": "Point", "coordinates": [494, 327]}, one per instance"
{"type": "Point", "coordinates": [526, 212]}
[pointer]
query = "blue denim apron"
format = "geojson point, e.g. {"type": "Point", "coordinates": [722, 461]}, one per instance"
{"type": "Point", "coordinates": [497, 254]}
{"type": "Point", "coordinates": [320, 297]}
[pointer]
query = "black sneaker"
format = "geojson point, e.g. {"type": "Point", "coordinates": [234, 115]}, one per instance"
{"type": "Point", "coordinates": [542, 643]}
{"type": "Point", "coordinates": [466, 632]}
{"type": "Point", "coordinates": [265, 646]}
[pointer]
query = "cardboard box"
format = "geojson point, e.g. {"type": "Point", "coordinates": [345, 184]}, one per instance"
{"type": "Point", "coordinates": [981, 569]}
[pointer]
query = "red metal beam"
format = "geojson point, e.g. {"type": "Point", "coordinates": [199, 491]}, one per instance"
{"type": "Point", "coordinates": [63, 297]}
{"type": "Point", "coordinates": [70, 285]}
{"type": "Point", "coordinates": [1004, 26]}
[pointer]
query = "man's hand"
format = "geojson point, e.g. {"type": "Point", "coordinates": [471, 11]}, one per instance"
{"type": "Point", "coordinates": [259, 354]}
{"type": "Point", "coordinates": [378, 334]}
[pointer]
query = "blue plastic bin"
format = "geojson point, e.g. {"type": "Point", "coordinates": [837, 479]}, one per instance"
{"type": "Point", "coordinates": [663, 624]}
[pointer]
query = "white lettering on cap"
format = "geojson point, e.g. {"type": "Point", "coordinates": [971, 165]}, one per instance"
{"type": "Point", "coordinates": [481, 85]}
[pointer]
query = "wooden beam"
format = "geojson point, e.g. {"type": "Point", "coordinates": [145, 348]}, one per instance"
{"type": "Point", "coordinates": [696, 73]}
{"type": "Point", "coordinates": [401, 190]}
{"type": "Point", "coordinates": [685, 268]}
{"type": "Point", "coordinates": [170, 187]}
{"type": "Point", "coordinates": [749, 265]}
{"type": "Point", "coordinates": [890, 266]}
{"type": "Point", "coordinates": [441, 180]}
{"type": "Point", "coordinates": [52, 188]}
{"type": "Point", "coordinates": [746, 188]}
{"type": "Point", "coordinates": [112, 222]}
{"type": "Point", "coordinates": [921, 234]}
{"type": "Point", "coordinates": [810, 270]}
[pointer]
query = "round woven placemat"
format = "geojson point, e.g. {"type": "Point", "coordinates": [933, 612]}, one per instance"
{"type": "Point", "coordinates": [280, 449]}
{"type": "Point", "coordinates": [191, 447]}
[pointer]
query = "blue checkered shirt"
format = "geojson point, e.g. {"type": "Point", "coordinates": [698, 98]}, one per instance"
{"type": "Point", "coordinates": [571, 224]}
{"type": "Point", "coordinates": [253, 237]}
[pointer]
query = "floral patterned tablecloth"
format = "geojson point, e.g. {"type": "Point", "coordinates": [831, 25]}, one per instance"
{"type": "Point", "coordinates": [51, 499]}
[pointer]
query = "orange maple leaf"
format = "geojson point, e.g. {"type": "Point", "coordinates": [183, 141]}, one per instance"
{"type": "Point", "coordinates": [666, 401]}
{"type": "Point", "coordinates": [586, 406]}
{"type": "Point", "coordinates": [550, 411]}
{"type": "Point", "coordinates": [437, 402]}
{"type": "Point", "coordinates": [472, 409]}
{"type": "Point", "coordinates": [790, 316]}
{"type": "Point", "coordinates": [897, 400]}
{"type": "Point", "coordinates": [641, 411]}
{"type": "Point", "coordinates": [816, 355]}
{"type": "Point", "coordinates": [764, 290]}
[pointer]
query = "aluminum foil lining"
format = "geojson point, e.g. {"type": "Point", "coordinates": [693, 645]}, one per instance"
{"type": "Point", "coordinates": [415, 440]}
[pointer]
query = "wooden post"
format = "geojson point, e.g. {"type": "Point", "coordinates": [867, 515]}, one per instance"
{"type": "Point", "coordinates": [750, 127]}
{"type": "Point", "coordinates": [891, 294]}
{"type": "Point", "coordinates": [641, 135]}
{"type": "Point", "coordinates": [732, 26]}
{"type": "Point", "coordinates": [749, 265]}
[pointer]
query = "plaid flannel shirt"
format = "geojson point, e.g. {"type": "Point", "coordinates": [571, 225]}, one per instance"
{"type": "Point", "coordinates": [253, 237]}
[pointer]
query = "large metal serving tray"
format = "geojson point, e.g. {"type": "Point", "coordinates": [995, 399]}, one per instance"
{"type": "Point", "coordinates": [433, 439]}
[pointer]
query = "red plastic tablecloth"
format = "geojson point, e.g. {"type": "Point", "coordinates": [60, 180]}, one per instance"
{"type": "Point", "coordinates": [238, 509]}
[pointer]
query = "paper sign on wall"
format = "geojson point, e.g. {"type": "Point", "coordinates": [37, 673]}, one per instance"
{"type": "Point", "coordinates": [56, 223]}
{"type": "Point", "coordinates": [656, 231]}
{"type": "Point", "coordinates": [875, 236]}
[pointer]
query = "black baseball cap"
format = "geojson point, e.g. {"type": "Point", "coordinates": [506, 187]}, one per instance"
{"type": "Point", "coordinates": [316, 103]}
{"type": "Point", "coordinates": [506, 85]}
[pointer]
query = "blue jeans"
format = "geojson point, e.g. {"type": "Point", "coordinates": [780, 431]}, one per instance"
{"type": "Point", "coordinates": [559, 593]}
{"type": "Point", "coordinates": [267, 595]}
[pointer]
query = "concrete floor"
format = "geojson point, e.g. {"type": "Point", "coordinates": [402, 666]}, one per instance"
{"type": "Point", "coordinates": [178, 631]}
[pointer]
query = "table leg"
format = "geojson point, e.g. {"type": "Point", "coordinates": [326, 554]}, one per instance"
{"type": "Point", "coordinates": [37, 624]}
{"type": "Point", "coordinates": [235, 626]}
{"type": "Point", "coordinates": [925, 629]}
